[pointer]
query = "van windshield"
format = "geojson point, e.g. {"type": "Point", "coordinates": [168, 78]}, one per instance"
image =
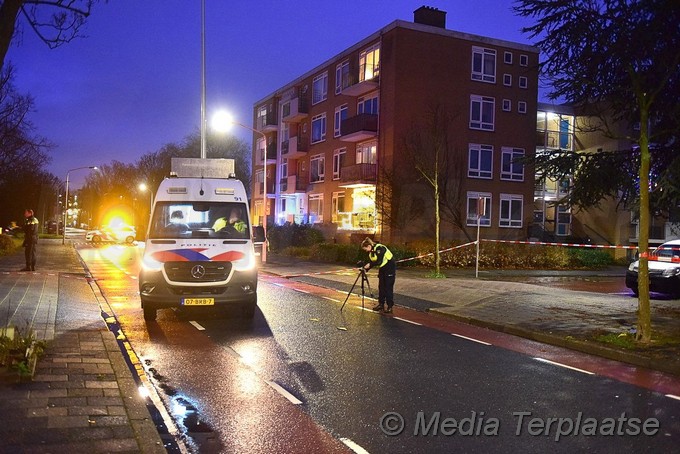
{"type": "Point", "coordinates": [181, 220]}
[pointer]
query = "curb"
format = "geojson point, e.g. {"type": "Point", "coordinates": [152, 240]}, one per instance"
{"type": "Point", "coordinates": [588, 347]}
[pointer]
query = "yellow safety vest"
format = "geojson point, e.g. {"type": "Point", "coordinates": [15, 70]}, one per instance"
{"type": "Point", "coordinates": [372, 256]}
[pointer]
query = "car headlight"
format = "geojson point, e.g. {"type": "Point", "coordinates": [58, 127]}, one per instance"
{"type": "Point", "coordinates": [247, 263]}
{"type": "Point", "coordinates": [671, 272]}
{"type": "Point", "coordinates": [150, 264]}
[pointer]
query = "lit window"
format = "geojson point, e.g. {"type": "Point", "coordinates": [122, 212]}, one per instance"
{"type": "Point", "coordinates": [511, 167]}
{"type": "Point", "coordinates": [480, 163]}
{"type": "Point", "coordinates": [483, 64]}
{"type": "Point", "coordinates": [320, 88]}
{"type": "Point", "coordinates": [319, 128]}
{"type": "Point", "coordinates": [317, 165]}
{"type": "Point", "coordinates": [479, 202]}
{"type": "Point", "coordinates": [337, 206]}
{"type": "Point", "coordinates": [511, 210]}
{"type": "Point", "coordinates": [482, 112]}
{"type": "Point", "coordinates": [315, 208]}
{"type": "Point", "coordinates": [369, 63]}
{"type": "Point", "coordinates": [367, 153]}
{"type": "Point", "coordinates": [340, 114]}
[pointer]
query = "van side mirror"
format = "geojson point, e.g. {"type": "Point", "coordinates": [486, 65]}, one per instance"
{"type": "Point", "coordinates": [258, 234]}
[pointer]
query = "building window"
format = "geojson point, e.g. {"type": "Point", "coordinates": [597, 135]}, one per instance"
{"type": "Point", "coordinates": [563, 227]}
{"type": "Point", "coordinates": [524, 60]}
{"type": "Point", "coordinates": [483, 207]}
{"type": "Point", "coordinates": [507, 80]}
{"type": "Point", "coordinates": [368, 104]}
{"type": "Point", "coordinates": [367, 153]}
{"type": "Point", "coordinates": [319, 128]}
{"type": "Point", "coordinates": [511, 210]}
{"type": "Point", "coordinates": [483, 64]}
{"type": "Point", "coordinates": [284, 168]}
{"type": "Point", "coordinates": [482, 112]}
{"type": "Point", "coordinates": [341, 76]}
{"type": "Point", "coordinates": [521, 107]}
{"type": "Point", "coordinates": [315, 207]}
{"type": "Point", "coordinates": [317, 166]}
{"type": "Point", "coordinates": [507, 105]}
{"type": "Point", "coordinates": [511, 167]}
{"type": "Point", "coordinates": [320, 88]}
{"type": "Point", "coordinates": [507, 58]}
{"type": "Point", "coordinates": [369, 63]}
{"type": "Point", "coordinates": [481, 161]}
{"type": "Point", "coordinates": [523, 82]}
{"type": "Point", "coordinates": [338, 162]}
{"type": "Point", "coordinates": [337, 205]}
{"type": "Point", "coordinates": [340, 114]}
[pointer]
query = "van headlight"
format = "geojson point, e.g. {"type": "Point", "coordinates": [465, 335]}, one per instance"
{"type": "Point", "coordinates": [247, 263]}
{"type": "Point", "coordinates": [633, 267]}
{"type": "Point", "coordinates": [671, 272]}
{"type": "Point", "coordinates": [150, 264]}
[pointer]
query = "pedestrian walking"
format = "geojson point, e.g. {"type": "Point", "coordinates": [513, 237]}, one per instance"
{"type": "Point", "coordinates": [379, 255]}
{"type": "Point", "coordinates": [30, 239]}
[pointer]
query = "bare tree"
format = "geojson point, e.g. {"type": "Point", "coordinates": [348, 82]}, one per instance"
{"type": "Point", "coordinates": [54, 21]}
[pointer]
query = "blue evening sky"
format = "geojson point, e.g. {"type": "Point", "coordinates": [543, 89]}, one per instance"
{"type": "Point", "coordinates": [133, 84]}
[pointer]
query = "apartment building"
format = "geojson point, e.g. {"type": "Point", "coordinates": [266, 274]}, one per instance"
{"type": "Point", "coordinates": [330, 144]}
{"type": "Point", "coordinates": [564, 127]}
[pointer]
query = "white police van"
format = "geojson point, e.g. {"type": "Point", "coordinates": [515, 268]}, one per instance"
{"type": "Point", "coordinates": [199, 247]}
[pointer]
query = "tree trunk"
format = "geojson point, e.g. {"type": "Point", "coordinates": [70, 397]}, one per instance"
{"type": "Point", "coordinates": [437, 257]}
{"type": "Point", "coordinates": [644, 322]}
{"type": "Point", "coordinates": [8, 18]}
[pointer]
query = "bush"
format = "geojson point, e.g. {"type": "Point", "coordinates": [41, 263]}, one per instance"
{"type": "Point", "coordinates": [298, 235]}
{"type": "Point", "coordinates": [7, 244]}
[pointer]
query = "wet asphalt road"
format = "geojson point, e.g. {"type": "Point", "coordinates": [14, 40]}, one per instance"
{"type": "Point", "coordinates": [353, 370]}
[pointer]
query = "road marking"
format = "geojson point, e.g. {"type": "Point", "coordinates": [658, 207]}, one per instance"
{"type": "Point", "coordinates": [278, 284]}
{"type": "Point", "coordinates": [564, 365]}
{"type": "Point", "coordinates": [301, 291]}
{"type": "Point", "coordinates": [407, 321]}
{"type": "Point", "coordinates": [197, 326]}
{"type": "Point", "coordinates": [470, 339]}
{"type": "Point", "coordinates": [673, 396]}
{"type": "Point", "coordinates": [331, 299]}
{"type": "Point", "coordinates": [353, 446]}
{"type": "Point", "coordinates": [278, 388]}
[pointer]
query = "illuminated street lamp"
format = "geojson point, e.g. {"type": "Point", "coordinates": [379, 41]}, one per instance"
{"type": "Point", "coordinates": [63, 238]}
{"type": "Point", "coordinates": [143, 187]}
{"type": "Point", "coordinates": [222, 122]}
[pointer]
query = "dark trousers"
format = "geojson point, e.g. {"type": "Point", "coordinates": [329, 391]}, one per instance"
{"type": "Point", "coordinates": [30, 256]}
{"type": "Point", "coordinates": [386, 278]}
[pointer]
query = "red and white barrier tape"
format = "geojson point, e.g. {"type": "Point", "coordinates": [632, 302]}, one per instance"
{"type": "Point", "coordinates": [441, 252]}
{"type": "Point", "coordinates": [541, 243]}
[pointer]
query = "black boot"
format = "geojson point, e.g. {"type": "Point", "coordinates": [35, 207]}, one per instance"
{"type": "Point", "coordinates": [378, 308]}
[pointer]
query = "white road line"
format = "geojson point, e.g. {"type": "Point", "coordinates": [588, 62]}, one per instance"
{"type": "Point", "coordinates": [331, 299]}
{"type": "Point", "coordinates": [673, 396]}
{"type": "Point", "coordinates": [470, 339]}
{"type": "Point", "coordinates": [407, 321]}
{"type": "Point", "coordinates": [294, 400]}
{"type": "Point", "coordinates": [353, 446]}
{"type": "Point", "coordinates": [278, 284]}
{"type": "Point", "coordinates": [197, 326]}
{"type": "Point", "coordinates": [564, 365]}
{"type": "Point", "coordinates": [301, 291]}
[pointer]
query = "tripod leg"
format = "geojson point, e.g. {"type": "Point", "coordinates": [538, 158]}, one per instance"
{"type": "Point", "coordinates": [369, 286]}
{"type": "Point", "coordinates": [350, 291]}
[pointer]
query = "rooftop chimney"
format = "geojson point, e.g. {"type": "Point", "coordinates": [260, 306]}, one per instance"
{"type": "Point", "coordinates": [427, 15]}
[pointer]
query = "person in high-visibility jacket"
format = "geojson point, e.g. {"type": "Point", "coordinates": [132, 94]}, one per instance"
{"type": "Point", "coordinates": [30, 239]}
{"type": "Point", "coordinates": [379, 255]}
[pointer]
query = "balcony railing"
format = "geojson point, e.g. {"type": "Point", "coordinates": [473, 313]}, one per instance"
{"type": "Point", "coordinates": [354, 85]}
{"type": "Point", "coordinates": [295, 110]}
{"type": "Point", "coordinates": [295, 147]}
{"type": "Point", "coordinates": [267, 123]}
{"type": "Point", "coordinates": [359, 174]}
{"type": "Point", "coordinates": [360, 127]}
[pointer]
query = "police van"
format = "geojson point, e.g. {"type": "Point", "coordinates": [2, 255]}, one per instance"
{"type": "Point", "coordinates": [199, 247]}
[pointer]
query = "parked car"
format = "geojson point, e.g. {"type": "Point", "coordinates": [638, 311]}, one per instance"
{"type": "Point", "coordinates": [120, 234]}
{"type": "Point", "coordinates": [55, 228]}
{"type": "Point", "coordinates": [664, 270]}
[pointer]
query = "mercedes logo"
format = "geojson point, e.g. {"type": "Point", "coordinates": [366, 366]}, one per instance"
{"type": "Point", "coordinates": [198, 271]}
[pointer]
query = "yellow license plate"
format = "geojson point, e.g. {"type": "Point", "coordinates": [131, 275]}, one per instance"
{"type": "Point", "coordinates": [198, 301]}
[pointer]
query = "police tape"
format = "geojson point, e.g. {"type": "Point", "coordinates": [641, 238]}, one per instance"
{"type": "Point", "coordinates": [441, 252]}
{"type": "Point", "coordinates": [542, 243]}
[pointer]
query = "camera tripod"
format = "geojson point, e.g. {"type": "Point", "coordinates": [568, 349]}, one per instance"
{"type": "Point", "coordinates": [364, 284]}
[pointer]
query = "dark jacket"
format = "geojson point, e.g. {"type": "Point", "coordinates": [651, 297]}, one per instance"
{"type": "Point", "coordinates": [30, 231]}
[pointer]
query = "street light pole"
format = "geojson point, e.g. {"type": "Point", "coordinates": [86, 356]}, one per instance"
{"type": "Point", "coordinates": [63, 237]}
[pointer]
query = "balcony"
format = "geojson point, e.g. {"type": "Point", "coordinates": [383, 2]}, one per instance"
{"type": "Point", "coordinates": [295, 110]}
{"type": "Point", "coordinates": [271, 154]}
{"type": "Point", "coordinates": [352, 86]}
{"type": "Point", "coordinates": [359, 128]}
{"type": "Point", "coordinates": [267, 123]}
{"type": "Point", "coordinates": [295, 147]}
{"type": "Point", "coordinates": [658, 232]}
{"type": "Point", "coordinates": [293, 184]}
{"type": "Point", "coordinates": [259, 189]}
{"type": "Point", "coordinates": [358, 175]}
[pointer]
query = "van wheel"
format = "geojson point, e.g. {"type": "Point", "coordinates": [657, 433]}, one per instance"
{"type": "Point", "coordinates": [129, 240]}
{"type": "Point", "coordinates": [96, 239]}
{"type": "Point", "coordinates": [248, 309]}
{"type": "Point", "coordinates": [149, 312]}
